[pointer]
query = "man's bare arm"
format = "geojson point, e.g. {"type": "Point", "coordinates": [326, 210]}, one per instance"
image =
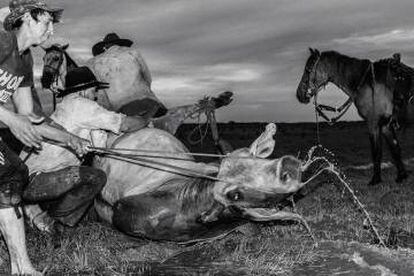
{"type": "Point", "coordinates": [64, 138]}
{"type": "Point", "coordinates": [24, 105]}
{"type": "Point", "coordinates": [20, 124]}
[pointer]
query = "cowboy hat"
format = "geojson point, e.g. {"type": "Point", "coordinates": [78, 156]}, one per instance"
{"type": "Point", "coordinates": [109, 40]}
{"type": "Point", "coordinates": [19, 7]}
{"type": "Point", "coordinates": [81, 78]}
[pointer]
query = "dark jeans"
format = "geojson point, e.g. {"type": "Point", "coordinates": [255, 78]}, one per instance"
{"type": "Point", "coordinates": [10, 140]}
{"type": "Point", "coordinates": [13, 177]}
{"type": "Point", "coordinates": [67, 193]}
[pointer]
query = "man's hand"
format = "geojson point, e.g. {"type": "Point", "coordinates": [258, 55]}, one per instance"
{"type": "Point", "coordinates": [22, 127]}
{"type": "Point", "coordinates": [79, 145]}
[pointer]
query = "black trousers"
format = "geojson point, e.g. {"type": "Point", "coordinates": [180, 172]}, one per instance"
{"type": "Point", "coordinates": [67, 193]}
{"type": "Point", "coordinates": [13, 177]}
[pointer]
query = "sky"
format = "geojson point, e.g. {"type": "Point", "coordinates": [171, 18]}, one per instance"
{"type": "Point", "coordinates": [255, 48]}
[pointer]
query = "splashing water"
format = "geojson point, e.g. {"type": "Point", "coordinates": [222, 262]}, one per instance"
{"type": "Point", "coordinates": [324, 165]}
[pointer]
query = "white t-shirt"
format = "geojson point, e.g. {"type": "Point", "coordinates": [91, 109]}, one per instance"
{"type": "Point", "coordinates": [79, 116]}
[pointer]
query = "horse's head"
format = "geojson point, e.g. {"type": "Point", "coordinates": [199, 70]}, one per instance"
{"type": "Point", "coordinates": [313, 79]}
{"type": "Point", "coordinates": [250, 182]}
{"type": "Point", "coordinates": [53, 65]}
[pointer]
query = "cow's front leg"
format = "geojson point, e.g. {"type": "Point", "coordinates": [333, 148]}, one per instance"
{"type": "Point", "coordinates": [12, 229]}
{"type": "Point", "coordinates": [260, 214]}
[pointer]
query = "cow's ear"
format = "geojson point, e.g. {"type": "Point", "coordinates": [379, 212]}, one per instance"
{"type": "Point", "coordinates": [64, 47]}
{"type": "Point", "coordinates": [263, 146]}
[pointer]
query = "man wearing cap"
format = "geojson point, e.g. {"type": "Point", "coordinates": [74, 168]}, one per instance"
{"type": "Point", "coordinates": [29, 23]}
{"type": "Point", "coordinates": [67, 199]}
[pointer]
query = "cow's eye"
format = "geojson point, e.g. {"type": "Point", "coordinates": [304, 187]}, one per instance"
{"type": "Point", "coordinates": [234, 195]}
{"type": "Point", "coordinates": [285, 177]}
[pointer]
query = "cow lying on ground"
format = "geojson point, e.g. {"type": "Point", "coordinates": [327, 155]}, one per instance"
{"type": "Point", "coordinates": [156, 200]}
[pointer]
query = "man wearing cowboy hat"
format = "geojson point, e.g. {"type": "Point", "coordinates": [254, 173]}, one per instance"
{"type": "Point", "coordinates": [80, 114]}
{"type": "Point", "coordinates": [29, 23]}
{"type": "Point", "coordinates": [110, 40]}
{"type": "Point", "coordinates": [140, 102]}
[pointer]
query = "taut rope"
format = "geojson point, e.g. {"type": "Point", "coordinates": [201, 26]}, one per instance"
{"type": "Point", "coordinates": [144, 160]}
{"type": "Point", "coordinates": [148, 152]}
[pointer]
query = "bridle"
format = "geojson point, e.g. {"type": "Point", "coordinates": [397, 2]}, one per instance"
{"type": "Point", "coordinates": [56, 73]}
{"type": "Point", "coordinates": [312, 80]}
{"type": "Point", "coordinates": [320, 108]}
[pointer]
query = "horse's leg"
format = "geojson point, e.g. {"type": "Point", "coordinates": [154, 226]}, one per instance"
{"type": "Point", "coordinates": [376, 151]}
{"type": "Point", "coordinates": [394, 146]}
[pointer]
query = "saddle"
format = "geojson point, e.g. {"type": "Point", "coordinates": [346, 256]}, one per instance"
{"type": "Point", "coordinates": [403, 94]}
{"type": "Point", "coordinates": [403, 76]}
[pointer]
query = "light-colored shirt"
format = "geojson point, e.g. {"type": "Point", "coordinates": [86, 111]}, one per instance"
{"type": "Point", "coordinates": [79, 116]}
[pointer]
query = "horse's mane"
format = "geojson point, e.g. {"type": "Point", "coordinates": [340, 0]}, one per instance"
{"type": "Point", "coordinates": [70, 61]}
{"type": "Point", "coordinates": [342, 57]}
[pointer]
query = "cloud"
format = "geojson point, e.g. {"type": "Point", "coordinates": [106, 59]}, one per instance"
{"type": "Point", "coordinates": [255, 48]}
{"type": "Point", "coordinates": [398, 38]}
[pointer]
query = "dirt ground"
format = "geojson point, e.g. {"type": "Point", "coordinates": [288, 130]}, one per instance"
{"type": "Point", "coordinates": [346, 242]}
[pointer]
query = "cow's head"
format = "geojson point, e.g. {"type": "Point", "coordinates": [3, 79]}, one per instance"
{"type": "Point", "coordinates": [250, 183]}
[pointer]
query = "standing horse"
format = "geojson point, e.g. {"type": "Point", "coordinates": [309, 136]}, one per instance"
{"type": "Point", "coordinates": [370, 86]}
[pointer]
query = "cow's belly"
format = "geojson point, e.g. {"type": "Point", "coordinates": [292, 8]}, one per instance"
{"type": "Point", "coordinates": [127, 178]}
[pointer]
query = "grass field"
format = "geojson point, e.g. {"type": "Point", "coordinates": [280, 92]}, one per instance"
{"type": "Point", "coordinates": [346, 242]}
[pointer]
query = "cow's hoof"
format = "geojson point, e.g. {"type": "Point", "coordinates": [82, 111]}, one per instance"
{"type": "Point", "coordinates": [223, 99]}
{"type": "Point", "coordinates": [375, 181]}
{"type": "Point", "coordinates": [401, 177]}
